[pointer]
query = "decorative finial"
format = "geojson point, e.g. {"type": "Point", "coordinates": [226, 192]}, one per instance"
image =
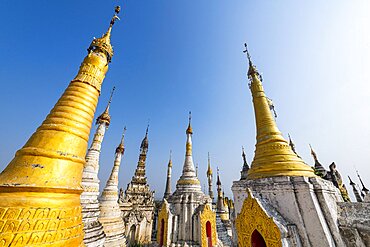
{"type": "Point", "coordinates": [291, 144]}
{"type": "Point", "coordinates": [123, 134]}
{"type": "Point", "coordinates": [218, 177]}
{"type": "Point", "coordinates": [103, 43]}
{"type": "Point", "coordinates": [248, 55]}
{"type": "Point", "coordinates": [111, 95]}
{"type": "Point", "coordinates": [244, 156]}
{"type": "Point", "coordinates": [147, 128]}
{"type": "Point", "coordinates": [196, 170]}
{"type": "Point", "coordinates": [209, 170]}
{"type": "Point", "coordinates": [121, 146]}
{"type": "Point", "coordinates": [252, 69]}
{"type": "Point", "coordinates": [312, 152]}
{"type": "Point", "coordinates": [189, 130]}
{"type": "Point", "coordinates": [105, 117]}
{"type": "Point", "coordinates": [350, 181]}
{"type": "Point", "coordinates": [364, 189]}
{"type": "Point", "coordinates": [115, 17]}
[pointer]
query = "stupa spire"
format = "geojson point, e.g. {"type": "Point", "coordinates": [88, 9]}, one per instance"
{"type": "Point", "coordinates": [45, 174]}
{"type": "Point", "coordinates": [139, 176]}
{"type": "Point", "coordinates": [94, 235]}
{"type": "Point", "coordinates": [319, 169]}
{"type": "Point", "coordinates": [355, 190]}
{"type": "Point", "coordinates": [364, 189]}
{"type": "Point", "coordinates": [273, 155]}
{"type": "Point", "coordinates": [209, 177]}
{"type": "Point", "coordinates": [220, 206]}
{"type": "Point", "coordinates": [188, 178]}
{"type": "Point", "coordinates": [167, 191]}
{"type": "Point", "coordinates": [110, 213]}
{"type": "Point", "coordinates": [292, 145]}
{"type": "Point", "coordinates": [244, 171]}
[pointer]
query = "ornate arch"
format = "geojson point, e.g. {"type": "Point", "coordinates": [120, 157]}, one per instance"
{"type": "Point", "coordinates": [207, 215]}
{"type": "Point", "coordinates": [254, 217]}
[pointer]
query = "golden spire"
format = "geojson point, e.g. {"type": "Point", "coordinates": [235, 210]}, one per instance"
{"type": "Point", "coordinates": [209, 170]}
{"type": "Point", "coordinates": [105, 117]}
{"type": "Point", "coordinates": [43, 181]}
{"type": "Point", "coordinates": [273, 155]}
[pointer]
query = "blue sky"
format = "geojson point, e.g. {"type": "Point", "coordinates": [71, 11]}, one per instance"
{"type": "Point", "coordinates": [175, 56]}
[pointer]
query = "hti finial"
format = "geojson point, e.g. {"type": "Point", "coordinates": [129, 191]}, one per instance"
{"type": "Point", "coordinates": [105, 117]}
{"type": "Point", "coordinates": [111, 95]}
{"type": "Point", "coordinates": [243, 155]}
{"type": "Point", "coordinates": [364, 189]}
{"type": "Point", "coordinates": [123, 134]}
{"type": "Point", "coordinates": [248, 55]}
{"type": "Point", "coordinates": [121, 146]}
{"type": "Point", "coordinates": [252, 69]}
{"type": "Point", "coordinates": [189, 130]}
{"type": "Point", "coordinates": [115, 17]}
{"type": "Point", "coordinates": [147, 128]}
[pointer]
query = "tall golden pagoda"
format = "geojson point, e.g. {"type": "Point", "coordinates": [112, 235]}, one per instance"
{"type": "Point", "coordinates": [40, 188]}
{"type": "Point", "coordinates": [273, 156]}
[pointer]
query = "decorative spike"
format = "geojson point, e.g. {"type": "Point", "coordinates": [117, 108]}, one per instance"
{"type": "Point", "coordinates": [189, 130]}
{"type": "Point", "coordinates": [355, 190]}
{"type": "Point", "coordinates": [105, 116]}
{"type": "Point", "coordinates": [245, 169]}
{"type": "Point", "coordinates": [209, 169]}
{"type": "Point", "coordinates": [364, 189]}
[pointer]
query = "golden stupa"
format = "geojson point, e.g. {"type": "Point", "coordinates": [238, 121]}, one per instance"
{"type": "Point", "coordinates": [273, 155]}
{"type": "Point", "coordinates": [40, 188]}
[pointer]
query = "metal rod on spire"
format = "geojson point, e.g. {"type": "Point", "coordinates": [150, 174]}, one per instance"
{"type": "Point", "coordinates": [147, 128]}
{"type": "Point", "coordinates": [364, 189]}
{"type": "Point", "coordinates": [247, 52]}
{"type": "Point", "coordinates": [111, 95]}
{"type": "Point", "coordinates": [115, 17]}
{"type": "Point", "coordinates": [123, 134]}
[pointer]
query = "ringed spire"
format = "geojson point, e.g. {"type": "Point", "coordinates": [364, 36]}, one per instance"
{"type": "Point", "coordinates": [273, 155]}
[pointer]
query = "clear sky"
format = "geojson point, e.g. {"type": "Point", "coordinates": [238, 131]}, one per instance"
{"type": "Point", "coordinates": [175, 56]}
